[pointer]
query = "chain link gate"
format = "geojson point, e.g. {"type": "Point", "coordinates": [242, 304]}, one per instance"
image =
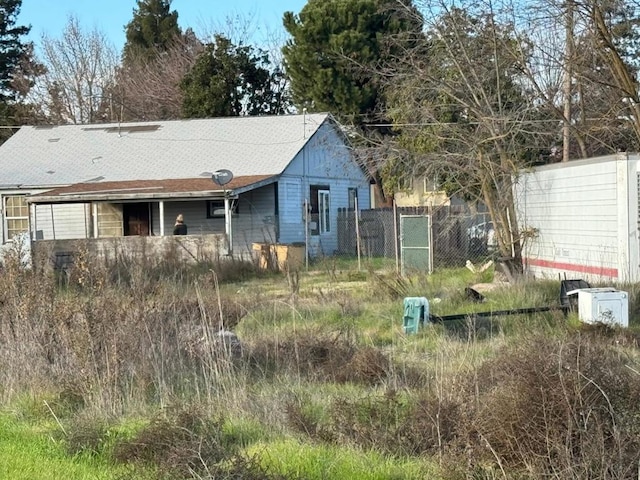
{"type": "Point", "coordinates": [416, 251]}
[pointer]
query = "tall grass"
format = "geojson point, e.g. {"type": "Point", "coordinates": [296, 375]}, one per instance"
{"type": "Point", "coordinates": [323, 381]}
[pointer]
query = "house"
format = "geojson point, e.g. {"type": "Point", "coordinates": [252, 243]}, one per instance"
{"type": "Point", "coordinates": [421, 191]}
{"type": "Point", "coordinates": [580, 219]}
{"type": "Point", "coordinates": [280, 179]}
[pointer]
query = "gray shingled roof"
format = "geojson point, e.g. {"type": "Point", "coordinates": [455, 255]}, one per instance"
{"type": "Point", "coordinates": [69, 154]}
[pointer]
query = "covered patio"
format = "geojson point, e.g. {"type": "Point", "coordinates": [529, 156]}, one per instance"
{"type": "Point", "coordinates": [137, 217]}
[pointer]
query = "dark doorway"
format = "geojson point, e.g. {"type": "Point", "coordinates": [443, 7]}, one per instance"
{"type": "Point", "coordinates": [136, 218]}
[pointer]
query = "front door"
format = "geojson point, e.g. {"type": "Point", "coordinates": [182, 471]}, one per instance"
{"type": "Point", "coordinates": [136, 218]}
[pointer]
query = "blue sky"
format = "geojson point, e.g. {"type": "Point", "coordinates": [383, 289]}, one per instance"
{"type": "Point", "coordinates": [110, 16]}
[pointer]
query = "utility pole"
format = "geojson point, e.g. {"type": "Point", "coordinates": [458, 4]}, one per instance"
{"type": "Point", "coordinates": [568, 80]}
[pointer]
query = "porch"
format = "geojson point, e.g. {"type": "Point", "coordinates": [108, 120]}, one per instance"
{"type": "Point", "coordinates": [136, 218]}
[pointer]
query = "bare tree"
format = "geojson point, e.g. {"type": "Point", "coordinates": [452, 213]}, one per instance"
{"type": "Point", "coordinates": [80, 68]}
{"type": "Point", "coordinates": [611, 29]}
{"type": "Point", "coordinates": [493, 87]}
{"type": "Point", "coordinates": [460, 103]}
{"type": "Point", "coordinates": [148, 88]}
{"type": "Point", "coordinates": [244, 29]}
{"type": "Point", "coordinates": [569, 70]}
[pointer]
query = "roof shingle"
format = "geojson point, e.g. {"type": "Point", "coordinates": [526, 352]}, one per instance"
{"type": "Point", "coordinates": [180, 149]}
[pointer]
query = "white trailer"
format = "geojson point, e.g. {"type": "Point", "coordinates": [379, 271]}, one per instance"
{"type": "Point", "coordinates": [580, 219]}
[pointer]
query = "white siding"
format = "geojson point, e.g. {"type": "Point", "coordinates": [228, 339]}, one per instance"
{"type": "Point", "coordinates": [578, 217]}
{"type": "Point", "coordinates": [66, 221]}
{"type": "Point", "coordinates": [62, 222]}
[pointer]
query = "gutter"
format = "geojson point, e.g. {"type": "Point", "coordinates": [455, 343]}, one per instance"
{"type": "Point", "coordinates": [83, 197]}
{"type": "Point", "coordinates": [253, 186]}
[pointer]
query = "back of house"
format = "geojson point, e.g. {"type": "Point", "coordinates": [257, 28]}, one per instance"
{"type": "Point", "coordinates": [580, 219]}
{"type": "Point", "coordinates": [288, 177]}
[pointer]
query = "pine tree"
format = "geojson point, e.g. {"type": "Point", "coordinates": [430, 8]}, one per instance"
{"type": "Point", "coordinates": [12, 48]}
{"type": "Point", "coordinates": [232, 80]}
{"type": "Point", "coordinates": [334, 48]}
{"type": "Point", "coordinates": [153, 28]}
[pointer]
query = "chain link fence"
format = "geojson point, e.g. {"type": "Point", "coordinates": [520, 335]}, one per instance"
{"type": "Point", "coordinates": [459, 234]}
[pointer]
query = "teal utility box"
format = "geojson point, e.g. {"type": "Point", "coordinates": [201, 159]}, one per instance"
{"type": "Point", "coordinates": [416, 313]}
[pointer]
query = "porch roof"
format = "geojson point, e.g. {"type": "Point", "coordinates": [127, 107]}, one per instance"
{"type": "Point", "coordinates": [141, 190]}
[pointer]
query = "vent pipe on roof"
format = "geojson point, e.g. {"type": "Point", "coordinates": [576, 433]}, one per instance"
{"type": "Point", "coordinates": [304, 123]}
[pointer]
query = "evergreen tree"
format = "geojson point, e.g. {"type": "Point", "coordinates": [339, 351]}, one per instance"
{"type": "Point", "coordinates": [153, 28]}
{"type": "Point", "coordinates": [12, 48]}
{"type": "Point", "coordinates": [334, 48]}
{"type": "Point", "coordinates": [18, 68]}
{"type": "Point", "coordinates": [232, 80]}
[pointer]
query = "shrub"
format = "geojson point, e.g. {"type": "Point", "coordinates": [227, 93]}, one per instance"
{"type": "Point", "coordinates": [558, 408]}
{"type": "Point", "coordinates": [321, 357]}
{"type": "Point", "coordinates": [187, 443]}
{"type": "Point", "coordinates": [398, 425]}
{"type": "Point", "coordinates": [183, 442]}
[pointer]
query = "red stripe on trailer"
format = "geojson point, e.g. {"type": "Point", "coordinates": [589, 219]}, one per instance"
{"type": "Point", "coordinates": [602, 271]}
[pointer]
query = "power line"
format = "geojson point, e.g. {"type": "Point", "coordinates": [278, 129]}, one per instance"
{"type": "Point", "coordinates": [387, 125]}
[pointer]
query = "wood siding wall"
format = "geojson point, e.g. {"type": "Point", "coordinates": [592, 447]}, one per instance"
{"type": "Point", "coordinates": [254, 222]}
{"type": "Point", "coordinates": [326, 160]}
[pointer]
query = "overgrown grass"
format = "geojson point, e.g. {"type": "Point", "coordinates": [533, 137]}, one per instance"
{"type": "Point", "coordinates": [295, 459]}
{"type": "Point", "coordinates": [29, 452]}
{"type": "Point", "coordinates": [322, 383]}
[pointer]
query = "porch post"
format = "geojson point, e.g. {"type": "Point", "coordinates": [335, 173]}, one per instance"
{"type": "Point", "coordinates": [227, 225]}
{"type": "Point", "coordinates": [53, 222]}
{"type": "Point", "coordinates": [94, 209]}
{"type": "Point", "coordinates": [33, 221]}
{"type": "Point", "coordinates": [161, 213]}
{"type": "Point", "coordinates": [32, 230]}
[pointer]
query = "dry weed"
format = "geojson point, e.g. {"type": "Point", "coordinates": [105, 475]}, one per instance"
{"type": "Point", "coordinates": [554, 408]}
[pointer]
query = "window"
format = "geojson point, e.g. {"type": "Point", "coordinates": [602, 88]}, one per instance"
{"type": "Point", "coordinates": [16, 213]}
{"type": "Point", "coordinates": [319, 208]}
{"type": "Point", "coordinates": [430, 185]}
{"type": "Point", "coordinates": [215, 208]}
{"type": "Point", "coordinates": [324, 212]}
{"type": "Point", "coordinates": [405, 183]}
{"type": "Point", "coordinates": [110, 219]}
{"type": "Point", "coordinates": [353, 195]}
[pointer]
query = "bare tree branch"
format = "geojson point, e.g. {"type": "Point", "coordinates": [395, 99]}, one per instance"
{"type": "Point", "coordinates": [80, 68]}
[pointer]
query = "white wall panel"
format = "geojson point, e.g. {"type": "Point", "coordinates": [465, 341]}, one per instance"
{"type": "Point", "coordinates": [578, 217]}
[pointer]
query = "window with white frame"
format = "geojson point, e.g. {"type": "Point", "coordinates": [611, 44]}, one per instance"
{"type": "Point", "coordinates": [353, 198]}
{"type": "Point", "coordinates": [324, 212]}
{"type": "Point", "coordinates": [16, 213]}
{"type": "Point", "coordinates": [319, 208]}
{"type": "Point", "coordinates": [430, 185]}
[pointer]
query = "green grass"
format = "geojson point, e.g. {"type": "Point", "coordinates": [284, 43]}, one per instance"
{"type": "Point", "coordinates": [31, 452]}
{"type": "Point", "coordinates": [319, 462]}
{"type": "Point", "coordinates": [257, 399]}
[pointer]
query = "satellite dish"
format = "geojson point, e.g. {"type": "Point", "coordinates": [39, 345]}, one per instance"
{"type": "Point", "coordinates": [222, 177]}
